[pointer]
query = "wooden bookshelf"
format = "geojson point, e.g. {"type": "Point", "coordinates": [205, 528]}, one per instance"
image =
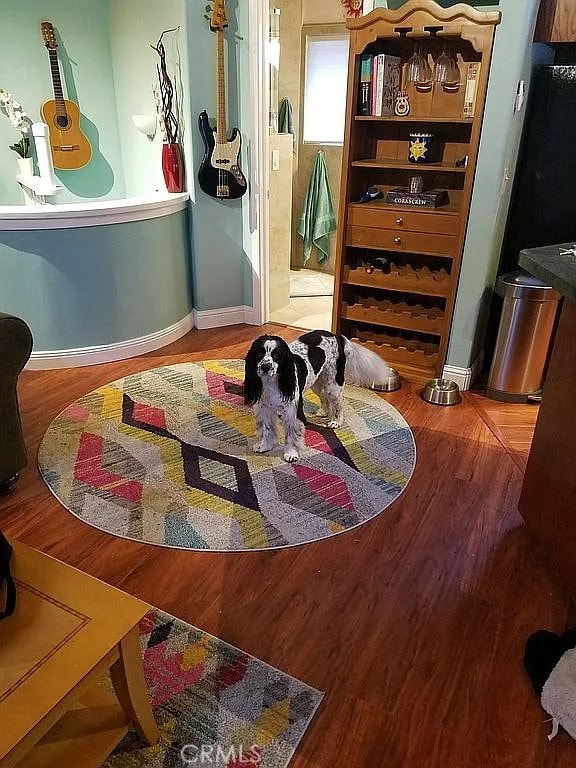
{"type": "Point", "coordinates": [405, 312]}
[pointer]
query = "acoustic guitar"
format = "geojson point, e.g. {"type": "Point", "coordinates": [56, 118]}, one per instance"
{"type": "Point", "coordinates": [220, 175]}
{"type": "Point", "coordinates": [70, 147]}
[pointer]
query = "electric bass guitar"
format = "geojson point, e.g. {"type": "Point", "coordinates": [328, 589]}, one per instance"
{"type": "Point", "coordinates": [70, 147]}
{"type": "Point", "coordinates": [220, 175]}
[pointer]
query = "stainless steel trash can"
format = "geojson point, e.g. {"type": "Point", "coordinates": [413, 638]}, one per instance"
{"type": "Point", "coordinates": [526, 326]}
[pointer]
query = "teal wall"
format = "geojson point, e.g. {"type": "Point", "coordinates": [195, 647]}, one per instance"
{"type": "Point", "coordinates": [220, 249]}
{"type": "Point", "coordinates": [133, 26]}
{"type": "Point", "coordinates": [84, 53]}
{"type": "Point", "coordinates": [113, 75]}
{"type": "Point", "coordinates": [222, 274]}
{"type": "Point", "coordinates": [501, 133]}
{"type": "Point", "coordinates": [97, 285]}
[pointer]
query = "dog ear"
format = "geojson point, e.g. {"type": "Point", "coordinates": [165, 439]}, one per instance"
{"type": "Point", "coordinates": [252, 382]}
{"type": "Point", "coordinates": [286, 372]}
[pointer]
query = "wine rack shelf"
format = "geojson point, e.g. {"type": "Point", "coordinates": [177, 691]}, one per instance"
{"type": "Point", "coordinates": [415, 355]}
{"type": "Point", "coordinates": [405, 278]}
{"type": "Point", "coordinates": [393, 314]}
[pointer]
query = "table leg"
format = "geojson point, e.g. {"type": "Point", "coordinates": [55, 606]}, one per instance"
{"type": "Point", "coordinates": [127, 677]}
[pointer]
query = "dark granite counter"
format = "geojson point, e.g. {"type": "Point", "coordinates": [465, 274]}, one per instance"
{"type": "Point", "coordinates": [548, 265]}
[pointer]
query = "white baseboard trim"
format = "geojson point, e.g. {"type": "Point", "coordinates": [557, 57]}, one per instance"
{"type": "Point", "coordinates": [108, 353]}
{"type": "Point", "coordinates": [464, 377]}
{"type": "Point", "coordinates": [218, 318]}
{"type": "Point", "coordinates": [251, 316]}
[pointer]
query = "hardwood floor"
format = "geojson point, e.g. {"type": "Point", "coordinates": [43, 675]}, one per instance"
{"type": "Point", "coordinates": [512, 424]}
{"type": "Point", "coordinates": [413, 624]}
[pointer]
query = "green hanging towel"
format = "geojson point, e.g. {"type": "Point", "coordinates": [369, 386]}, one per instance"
{"type": "Point", "coordinates": [318, 220]}
{"type": "Point", "coordinates": [286, 121]}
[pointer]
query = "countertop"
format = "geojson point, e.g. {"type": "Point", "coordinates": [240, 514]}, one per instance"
{"type": "Point", "coordinates": [548, 265]}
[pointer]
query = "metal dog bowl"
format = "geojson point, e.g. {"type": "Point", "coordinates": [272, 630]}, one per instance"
{"type": "Point", "coordinates": [390, 385]}
{"type": "Point", "coordinates": [441, 392]}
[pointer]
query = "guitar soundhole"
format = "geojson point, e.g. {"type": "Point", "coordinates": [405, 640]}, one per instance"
{"type": "Point", "coordinates": [62, 121]}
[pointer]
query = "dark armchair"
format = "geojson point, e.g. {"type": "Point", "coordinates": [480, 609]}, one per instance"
{"type": "Point", "coordinates": [15, 349]}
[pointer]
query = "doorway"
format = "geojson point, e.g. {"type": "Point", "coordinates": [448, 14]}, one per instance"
{"type": "Point", "coordinates": [307, 61]}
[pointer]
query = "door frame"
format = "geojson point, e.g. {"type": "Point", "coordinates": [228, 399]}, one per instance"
{"type": "Point", "coordinates": [256, 223]}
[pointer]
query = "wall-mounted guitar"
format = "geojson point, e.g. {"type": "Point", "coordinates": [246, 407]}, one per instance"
{"type": "Point", "coordinates": [220, 175]}
{"type": "Point", "coordinates": [70, 147]}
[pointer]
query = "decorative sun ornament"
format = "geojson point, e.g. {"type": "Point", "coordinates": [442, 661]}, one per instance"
{"type": "Point", "coordinates": [353, 7]}
{"type": "Point", "coordinates": [418, 149]}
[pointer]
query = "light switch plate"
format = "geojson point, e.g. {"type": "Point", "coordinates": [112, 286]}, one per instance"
{"type": "Point", "coordinates": [275, 159]}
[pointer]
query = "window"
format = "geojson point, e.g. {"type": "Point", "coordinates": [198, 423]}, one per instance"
{"type": "Point", "coordinates": [325, 88]}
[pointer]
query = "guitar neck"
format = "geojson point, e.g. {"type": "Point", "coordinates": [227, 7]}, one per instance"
{"type": "Point", "coordinates": [57, 83]}
{"type": "Point", "coordinates": [221, 129]}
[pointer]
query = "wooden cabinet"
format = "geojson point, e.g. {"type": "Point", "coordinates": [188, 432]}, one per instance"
{"type": "Point", "coordinates": [556, 22]}
{"type": "Point", "coordinates": [404, 311]}
{"type": "Point", "coordinates": [547, 502]}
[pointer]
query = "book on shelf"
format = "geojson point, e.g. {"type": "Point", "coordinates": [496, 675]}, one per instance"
{"type": "Point", "coordinates": [472, 75]}
{"type": "Point", "coordinates": [380, 76]}
{"type": "Point", "coordinates": [389, 84]}
{"type": "Point", "coordinates": [376, 77]}
{"type": "Point", "coordinates": [365, 89]}
{"type": "Point", "coordinates": [432, 198]}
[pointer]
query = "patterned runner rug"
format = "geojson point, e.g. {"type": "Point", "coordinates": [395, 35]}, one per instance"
{"type": "Point", "coordinates": [165, 456]}
{"type": "Point", "coordinates": [214, 705]}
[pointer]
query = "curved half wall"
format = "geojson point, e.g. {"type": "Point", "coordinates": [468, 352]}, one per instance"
{"type": "Point", "coordinates": [97, 292]}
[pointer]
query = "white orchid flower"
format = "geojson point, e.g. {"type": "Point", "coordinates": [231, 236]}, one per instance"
{"type": "Point", "coordinates": [13, 111]}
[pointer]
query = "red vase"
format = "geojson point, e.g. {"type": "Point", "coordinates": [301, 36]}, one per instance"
{"type": "Point", "coordinates": [173, 167]}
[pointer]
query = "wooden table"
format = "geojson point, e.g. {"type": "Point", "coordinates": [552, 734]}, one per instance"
{"type": "Point", "coordinates": [68, 630]}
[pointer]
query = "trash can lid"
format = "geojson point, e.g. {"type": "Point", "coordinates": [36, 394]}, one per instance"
{"type": "Point", "coordinates": [522, 285]}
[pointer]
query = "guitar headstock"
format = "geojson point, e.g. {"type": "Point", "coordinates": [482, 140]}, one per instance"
{"type": "Point", "coordinates": [48, 35]}
{"type": "Point", "coordinates": [218, 19]}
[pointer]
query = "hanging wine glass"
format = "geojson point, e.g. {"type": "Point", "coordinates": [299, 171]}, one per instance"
{"type": "Point", "coordinates": [414, 66]}
{"type": "Point", "coordinates": [453, 75]}
{"type": "Point", "coordinates": [425, 79]}
{"type": "Point", "coordinates": [441, 67]}
{"type": "Point", "coordinates": [417, 69]}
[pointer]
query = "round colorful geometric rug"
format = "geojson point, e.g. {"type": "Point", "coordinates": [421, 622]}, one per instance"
{"type": "Point", "coordinates": [165, 457]}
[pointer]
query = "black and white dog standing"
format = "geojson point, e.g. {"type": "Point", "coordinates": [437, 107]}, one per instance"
{"type": "Point", "coordinates": [277, 374]}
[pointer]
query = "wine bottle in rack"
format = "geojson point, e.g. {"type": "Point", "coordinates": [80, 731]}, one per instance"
{"type": "Point", "coordinates": [380, 262]}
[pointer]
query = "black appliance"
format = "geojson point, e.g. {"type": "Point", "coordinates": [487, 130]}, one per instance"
{"type": "Point", "coordinates": [543, 203]}
{"type": "Point", "coordinates": [543, 206]}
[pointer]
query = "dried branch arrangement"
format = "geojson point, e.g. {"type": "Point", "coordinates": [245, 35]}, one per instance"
{"type": "Point", "coordinates": [166, 91]}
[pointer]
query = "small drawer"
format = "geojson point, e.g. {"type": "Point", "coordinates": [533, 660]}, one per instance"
{"type": "Point", "coordinates": [411, 221]}
{"type": "Point", "coordinates": [398, 240]}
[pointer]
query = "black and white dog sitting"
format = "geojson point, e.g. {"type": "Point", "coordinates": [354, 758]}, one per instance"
{"type": "Point", "coordinates": [278, 374]}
